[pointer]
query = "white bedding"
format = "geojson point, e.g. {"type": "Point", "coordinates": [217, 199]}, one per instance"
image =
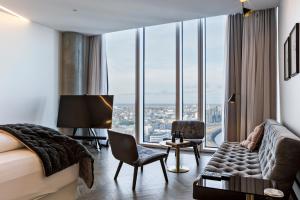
{"type": "Point", "coordinates": [22, 176]}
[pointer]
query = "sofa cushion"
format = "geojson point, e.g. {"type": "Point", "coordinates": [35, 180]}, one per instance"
{"type": "Point", "coordinates": [254, 138]}
{"type": "Point", "coordinates": [235, 159]}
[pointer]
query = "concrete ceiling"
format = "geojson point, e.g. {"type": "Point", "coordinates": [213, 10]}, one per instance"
{"type": "Point", "coordinates": [100, 16]}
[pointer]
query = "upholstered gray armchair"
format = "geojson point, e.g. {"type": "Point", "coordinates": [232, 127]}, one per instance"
{"type": "Point", "coordinates": [125, 149]}
{"type": "Point", "coordinates": [192, 131]}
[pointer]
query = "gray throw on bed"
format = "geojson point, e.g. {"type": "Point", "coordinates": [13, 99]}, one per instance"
{"type": "Point", "coordinates": [56, 151]}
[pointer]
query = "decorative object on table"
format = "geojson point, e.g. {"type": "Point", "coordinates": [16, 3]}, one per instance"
{"type": "Point", "coordinates": [86, 111]}
{"type": "Point", "coordinates": [287, 60]}
{"type": "Point", "coordinates": [173, 137]}
{"type": "Point", "coordinates": [181, 137]}
{"type": "Point", "coordinates": [125, 149]}
{"type": "Point", "coordinates": [192, 131]}
{"type": "Point", "coordinates": [294, 50]}
{"type": "Point", "coordinates": [273, 193]}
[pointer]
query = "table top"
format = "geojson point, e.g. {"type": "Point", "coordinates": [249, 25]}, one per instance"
{"type": "Point", "coordinates": [175, 144]}
{"type": "Point", "coordinates": [244, 185]}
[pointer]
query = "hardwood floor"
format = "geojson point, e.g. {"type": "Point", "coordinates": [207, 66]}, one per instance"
{"type": "Point", "coordinates": [150, 183]}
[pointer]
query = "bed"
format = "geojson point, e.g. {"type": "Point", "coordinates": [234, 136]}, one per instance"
{"type": "Point", "coordinates": [22, 174]}
{"type": "Point", "coordinates": [22, 177]}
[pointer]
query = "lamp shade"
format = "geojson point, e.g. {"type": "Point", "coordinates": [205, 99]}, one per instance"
{"type": "Point", "coordinates": [85, 111]}
{"type": "Point", "coordinates": [232, 98]}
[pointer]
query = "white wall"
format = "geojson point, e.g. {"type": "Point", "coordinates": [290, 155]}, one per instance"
{"type": "Point", "coordinates": [289, 90]}
{"type": "Point", "coordinates": [29, 72]}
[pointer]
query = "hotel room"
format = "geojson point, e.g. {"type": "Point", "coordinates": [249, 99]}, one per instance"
{"type": "Point", "coordinates": [136, 99]}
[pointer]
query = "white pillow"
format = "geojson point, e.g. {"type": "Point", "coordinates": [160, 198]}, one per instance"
{"type": "Point", "coordinates": [8, 142]}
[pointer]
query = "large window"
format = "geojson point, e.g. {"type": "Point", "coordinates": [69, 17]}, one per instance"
{"type": "Point", "coordinates": [160, 81]}
{"type": "Point", "coordinates": [214, 79]}
{"type": "Point", "coordinates": [178, 71]}
{"type": "Point", "coordinates": [190, 69]}
{"type": "Point", "coordinates": [121, 75]}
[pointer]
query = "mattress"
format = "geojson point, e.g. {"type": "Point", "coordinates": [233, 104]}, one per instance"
{"type": "Point", "coordinates": [22, 176]}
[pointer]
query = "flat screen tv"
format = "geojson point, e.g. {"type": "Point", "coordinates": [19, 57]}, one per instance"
{"type": "Point", "coordinates": [85, 111]}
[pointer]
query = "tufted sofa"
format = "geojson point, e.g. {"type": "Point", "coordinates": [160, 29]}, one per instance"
{"type": "Point", "coordinates": [278, 157]}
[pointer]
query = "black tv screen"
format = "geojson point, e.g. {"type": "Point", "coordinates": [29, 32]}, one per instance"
{"type": "Point", "coordinates": [85, 111]}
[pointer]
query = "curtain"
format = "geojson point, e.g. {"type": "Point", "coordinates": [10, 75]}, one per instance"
{"type": "Point", "coordinates": [232, 111]}
{"type": "Point", "coordinates": [257, 99]}
{"type": "Point", "coordinates": [258, 70]}
{"type": "Point", "coordinates": [97, 80]}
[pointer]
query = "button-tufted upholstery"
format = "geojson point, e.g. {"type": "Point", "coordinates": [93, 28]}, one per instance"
{"type": "Point", "coordinates": [235, 159]}
{"type": "Point", "coordinates": [278, 157]}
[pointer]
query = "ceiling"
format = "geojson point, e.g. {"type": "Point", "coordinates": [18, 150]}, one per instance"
{"type": "Point", "coordinates": [100, 16]}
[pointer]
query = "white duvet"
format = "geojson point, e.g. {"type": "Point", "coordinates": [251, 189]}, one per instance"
{"type": "Point", "coordinates": [22, 176]}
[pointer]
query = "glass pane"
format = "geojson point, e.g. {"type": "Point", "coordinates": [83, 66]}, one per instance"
{"type": "Point", "coordinates": [160, 81]}
{"type": "Point", "coordinates": [190, 70]}
{"type": "Point", "coordinates": [121, 76]}
{"type": "Point", "coordinates": [215, 75]}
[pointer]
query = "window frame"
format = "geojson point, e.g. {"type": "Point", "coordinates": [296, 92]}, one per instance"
{"type": "Point", "coordinates": [140, 39]}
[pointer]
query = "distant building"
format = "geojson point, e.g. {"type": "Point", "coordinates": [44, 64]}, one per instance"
{"type": "Point", "coordinates": [158, 119]}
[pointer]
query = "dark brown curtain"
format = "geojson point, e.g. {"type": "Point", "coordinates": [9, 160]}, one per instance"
{"type": "Point", "coordinates": [233, 76]}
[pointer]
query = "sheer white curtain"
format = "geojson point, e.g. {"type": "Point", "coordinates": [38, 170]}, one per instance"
{"type": "Point", "coordinates": [97, 80]}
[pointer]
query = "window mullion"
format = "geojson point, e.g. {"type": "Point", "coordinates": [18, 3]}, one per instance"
{"type": "Point", "coordinates": [139, 84]}
{"type": "Point", "coordinates": [201, 64]}
{"type": "Point", "coordinates": [179, 82]}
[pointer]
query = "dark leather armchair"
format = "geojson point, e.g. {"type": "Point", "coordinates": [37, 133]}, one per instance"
{"type": "Point", "coordinates": [125, 149]}
{"type": "Point", "coordinates": [192, 131]}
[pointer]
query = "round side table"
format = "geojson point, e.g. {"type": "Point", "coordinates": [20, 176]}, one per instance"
{"type": "Point", "coordinates": [178, 168]}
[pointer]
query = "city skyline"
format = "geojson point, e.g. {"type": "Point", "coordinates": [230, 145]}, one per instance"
{"type": "Point", "coordinates": [158, 120]}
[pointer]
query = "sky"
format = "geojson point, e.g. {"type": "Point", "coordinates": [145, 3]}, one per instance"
{"type": "Point", "coordinates": [160, 74]}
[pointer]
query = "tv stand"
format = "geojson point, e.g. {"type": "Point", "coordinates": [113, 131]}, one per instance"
{"type": "Point", "coordinates": [92, 136]}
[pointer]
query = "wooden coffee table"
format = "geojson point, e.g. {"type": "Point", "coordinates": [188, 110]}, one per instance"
{"type": "Point", "coordinates": [178, 168]}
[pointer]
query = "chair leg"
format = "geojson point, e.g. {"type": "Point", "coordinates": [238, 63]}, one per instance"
{"type": "Point", "coordinates": [142, 168]}
{"type": "Point", "coordinates": [168, 151]}
{"type": "Point", "coordinates": [164, 170]}
{"type": "Point", "coordinates": [196, 154]}
{"type": "Point", "coordinates": [118, 170]}
{"type": "Point", "coordinates": [134, 177]}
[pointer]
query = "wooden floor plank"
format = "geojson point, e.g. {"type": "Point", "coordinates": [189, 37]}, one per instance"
{"type": "Point", "coordinates": [150, 183]}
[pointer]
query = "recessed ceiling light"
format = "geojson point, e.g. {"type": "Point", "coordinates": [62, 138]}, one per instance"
{"type": "Point", "coordinates": [14, 14]}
